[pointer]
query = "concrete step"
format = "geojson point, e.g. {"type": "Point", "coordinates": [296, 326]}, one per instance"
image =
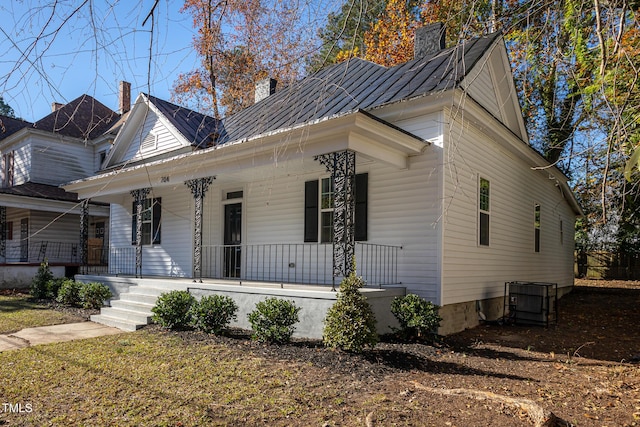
{"type": "Point", "coordinates": [126, 315]}
{"type": "Point", "coordinates": [137, 306]}
{"type": "Point", "coordinates": [136, 298]}
{"type": "Point", "coordinates": [116, 322]}
{"type": "Point", "coordinates": [148, 290]}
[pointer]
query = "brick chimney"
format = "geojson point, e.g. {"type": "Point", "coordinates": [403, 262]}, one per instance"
{"type": "Point", "coordinates": [124, 97]}
{"type": "Point", "coordinates": [429, 40]}
{"type": "Point", "coordinates": [55, 106]}
{"type": "Point", "coordinates": [265, 88]}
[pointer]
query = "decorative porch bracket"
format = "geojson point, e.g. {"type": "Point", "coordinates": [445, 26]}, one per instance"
{"type": "Point", "coordinates": [3, 233]}
{"type": "Point", "coordinates": [139, 197]}
{"type": "Point", "coordinates": [198, 189]}
{"type": "Point", "coordinates": [342, 167]}
{"type": "Point", "coordinates": [84, 235]}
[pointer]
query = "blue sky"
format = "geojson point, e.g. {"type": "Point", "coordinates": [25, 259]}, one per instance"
{"type": "Point", "coordinates": [76, 61]}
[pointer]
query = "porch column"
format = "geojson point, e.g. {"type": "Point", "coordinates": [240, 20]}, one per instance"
{"type": "Point", "coordinates": [139, 196]}
{"type": "Point", "coordinates": [3, 233]}
{"type": "Point", "coordinates": [342, 166]}
{"type": "Point", "coordinates": [198, 189]}
{"type": "Point", "coordinates": [84, 235]}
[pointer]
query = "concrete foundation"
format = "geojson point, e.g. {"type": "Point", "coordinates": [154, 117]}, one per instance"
{"type": "Point", "coordinates": [21, 276]}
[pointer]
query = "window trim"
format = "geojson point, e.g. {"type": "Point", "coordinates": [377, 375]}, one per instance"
{"type": "Point", "coordinates": [537, 220]}
{"type": "Point", "coordinates": [156, 222]}
{"type": "Point", "coordinates": [484, 239]}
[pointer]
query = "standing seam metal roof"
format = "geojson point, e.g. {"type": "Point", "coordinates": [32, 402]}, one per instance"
{"type": "Point", "coordinates": [351, 85]}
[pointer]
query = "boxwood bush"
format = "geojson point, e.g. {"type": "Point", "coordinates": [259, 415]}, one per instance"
{"type": "Point", "coordinates": [69, 292]}
{"type": "Point", "coordinates": [39, 283]}
{"type": "Point", "coordinates": [418, 318]}
{"type": "Point", "coordinates": [350, 323]}
{"type": "Point", "coordinates": [213, 313]}
{"type": "Point", "coordinates": [172, 309]}
{"type": "Point", "coordinates": [273, 320]}
{"type": "Point", "coordinates": [94, 294]}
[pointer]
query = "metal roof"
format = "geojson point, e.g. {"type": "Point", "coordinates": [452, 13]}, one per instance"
{"type": "Point", "coordinates": [352, 85]}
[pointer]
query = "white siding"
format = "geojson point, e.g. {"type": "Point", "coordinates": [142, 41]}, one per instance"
{"type": "Point", "coordinates": [153, 127]}
{"type": "Point", "coordinates": [59, 162]}
{"type": "Point", "coordinates": [472, 272]}
{"type": "Point", "coordinates": [173, 256]}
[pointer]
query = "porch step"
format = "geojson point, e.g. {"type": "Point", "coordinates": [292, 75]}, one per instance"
{"type": "Point", "coordinates": [133, 310]}
{"type": "Point", "coordinates": [116, 322]}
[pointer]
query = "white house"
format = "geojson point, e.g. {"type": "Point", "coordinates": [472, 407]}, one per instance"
{"type": "Point", "coordinates": [423, 171]}
{"type": "Point", "coordinates": [38, 219]}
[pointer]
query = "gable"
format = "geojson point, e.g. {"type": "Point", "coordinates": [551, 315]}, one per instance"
{"type": "Point", "coordinates": [491, 85]}
{"type": "Point", "coordinates": [146, 134]}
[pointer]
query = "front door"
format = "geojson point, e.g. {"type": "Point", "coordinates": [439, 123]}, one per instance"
{"type": "Point", "coordinates": [232, 239]}
{"type": "Point", "coordinates": [24, 240]}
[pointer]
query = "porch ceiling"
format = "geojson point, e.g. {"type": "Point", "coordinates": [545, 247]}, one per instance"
{"type": "Point", "coordinates": [296, 147]}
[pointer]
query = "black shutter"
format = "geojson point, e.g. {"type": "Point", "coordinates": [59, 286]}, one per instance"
{"type": "Point", "coordinates": [362, 190]}
{"type": "Point", "coordinates": [134, 222]}
{"type": "Point", "coordinates": [156, 222]}
{"type": "Point", "coordinates": [311, 211]}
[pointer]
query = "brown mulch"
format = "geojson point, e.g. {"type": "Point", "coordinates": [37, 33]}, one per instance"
{"type": "Point", "coordinates": [585, 369]}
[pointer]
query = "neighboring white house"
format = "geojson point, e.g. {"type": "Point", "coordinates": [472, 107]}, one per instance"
{"type": "Point", "coordinates": [38, 219]}
{"type": "Point", "coordinates": [449, 201]}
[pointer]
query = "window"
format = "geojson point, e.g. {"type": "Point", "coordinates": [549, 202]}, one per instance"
{"type": "Point", "coordinates": [484, 212]}
{"type": "Point", "coordinates": [151, 214]}
{"type": "Point", "coordinates": [536, 226]}
{"type": "Point", "coordinates": [561, 232]}
{"type": "Point", "coordinates": [319, 209]}
{"type": "Point", "coordinates": [327, 207]}
{"type": "Point", "coordinates": [7, 169]}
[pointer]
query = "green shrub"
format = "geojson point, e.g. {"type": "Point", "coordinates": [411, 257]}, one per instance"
{"type": "Point", "coordinates": [350, 323]}
{"type": "Point", "coordinates": [212, 314]}
{"type": "Point", "coordinates": [39, 283]}
{"type": "Point", "coordinates": [94, 294]}
{"type": "Point", "coordinates": [53, 287]}
{"type": "Point", "coordinates": [418, 317]}
{"type": "Point", "coordinates": [172, 309]}
{"type": "Point", "coordinates": [69, 292]}
{"type": "Point", "coordinates": [273, 320]}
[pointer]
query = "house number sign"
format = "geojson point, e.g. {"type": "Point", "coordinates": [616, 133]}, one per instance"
{"type": "Point", "coordinates": [164, 179]}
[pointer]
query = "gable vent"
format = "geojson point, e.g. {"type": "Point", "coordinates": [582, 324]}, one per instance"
{"type": "Point", "coordinates": [149, 142]}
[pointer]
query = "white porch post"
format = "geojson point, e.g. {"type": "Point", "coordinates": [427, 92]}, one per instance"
{"type": "Point", "coordinates": [198, 189]}
{"type": "Point", "coordinates": [139, 196]}
{"type": "Point", "coordinates": [342, 166]}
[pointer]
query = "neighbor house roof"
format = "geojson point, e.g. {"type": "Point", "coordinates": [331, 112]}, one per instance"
{"type": "Point", "coordinates": [42, 191]}
{"type": "Point", "coordinates": [84, 117]}
{"type": "Point", "coordinates": [9, 126]}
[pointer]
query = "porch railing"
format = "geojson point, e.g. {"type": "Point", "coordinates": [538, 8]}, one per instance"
{"type": "Point", "coordinates": [37, 251]}
{"type": "Point", "coordinates": [301, 263]}
{"type": "Point", "coordinates": [297, 263]}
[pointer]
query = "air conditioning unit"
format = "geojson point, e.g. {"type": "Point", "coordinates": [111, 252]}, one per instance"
{"type": "Point", "coordinates": [533, 303]}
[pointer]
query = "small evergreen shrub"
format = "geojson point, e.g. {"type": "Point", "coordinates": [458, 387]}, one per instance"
{"type": "Point", "coordinates": [273, 320]}
{"type": "Point", "coordinates": [39, 283]}
{"type": "Point", "coordinates": [350, 323]}
{"type": "Point", "coordinates": [212, 314]}
{"type": "Point", "coordinates": [53, 287]}
{"type": "Point", "coordinates": [418, 317]}
{"type": "Point", "coordinates": [69, 293]}
{"type": "Point", "coordinates": [93, 295]}
{"type": "Point", "coordinates": [172, 309]}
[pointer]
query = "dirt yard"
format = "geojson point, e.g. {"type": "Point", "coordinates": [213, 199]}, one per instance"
{"type": "Point", "coordinates": [585, 370]}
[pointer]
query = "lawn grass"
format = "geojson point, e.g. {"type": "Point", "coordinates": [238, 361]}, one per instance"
{"type": "Point", "coordinates": [18, 312]}
{"type": "Point", "coordinates": [155, 378]}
